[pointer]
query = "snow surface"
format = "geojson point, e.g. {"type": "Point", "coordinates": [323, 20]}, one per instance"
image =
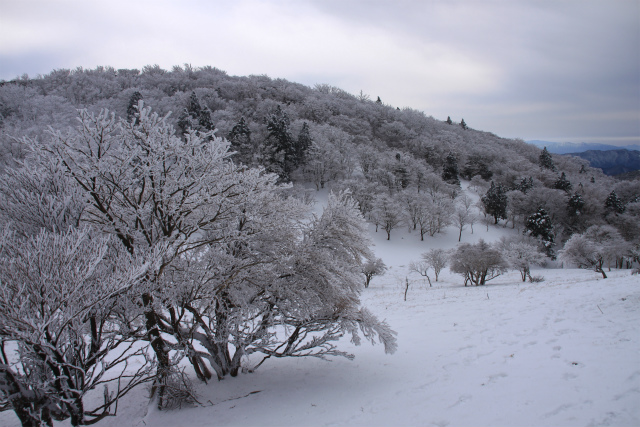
{"type": "Point", "coordinates": [564, 352]}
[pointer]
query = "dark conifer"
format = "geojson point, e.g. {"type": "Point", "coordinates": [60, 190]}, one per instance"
{"type": "Point", "coordinates": [546, 161]}
{"type": "Point", "coordinates": [539, 225]}
{"type": "Point", "coordinates": [240, 139]}
{"type": "Point", "coordinates": [132, 108]}
{"type": "Point", "coordinates": [195, 117]}
{"type": "Point", "coordinates": [525, 185]}
{"type": "Point", "coordinates": [280, 145]}
{"type": "Point", "coordinates": [614, 204]}
{"type": "Point", "coordinates": [303, 144]}
{"type": "Point", "coordinates": [575, 205]}
{"type": "Point", "coordinates": [563, 183]}
{"type": "Point", "coordinates": [450, 170]}
{"type": "Point", "coordinates": [495, 202]}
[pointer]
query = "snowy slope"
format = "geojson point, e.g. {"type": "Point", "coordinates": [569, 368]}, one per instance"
{"type": "Point", "coordinates": [564, 352]}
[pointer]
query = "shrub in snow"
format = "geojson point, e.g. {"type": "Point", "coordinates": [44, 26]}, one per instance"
{"type": "Point", "coordinates": [477, 263]}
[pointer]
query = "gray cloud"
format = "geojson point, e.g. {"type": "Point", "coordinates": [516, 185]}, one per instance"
{"type": "Point", "coordinates": [532, 69]}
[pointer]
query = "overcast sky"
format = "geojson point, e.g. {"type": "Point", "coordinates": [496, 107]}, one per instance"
{"type": "Point", "coordinates": [553, 70]}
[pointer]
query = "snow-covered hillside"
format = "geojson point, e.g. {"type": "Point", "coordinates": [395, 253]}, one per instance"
{"type": "Point", "coordinates": [563, 352]}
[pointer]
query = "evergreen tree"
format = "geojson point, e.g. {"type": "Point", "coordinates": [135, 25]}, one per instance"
{"type": "Point", "coordinates": [449, 121]}
{"type": "Point", "coordinates": [495, 202]}
{"type": "Point", "coordinates": [463, 124]}
{"type": "Point", "coordinates": [195, 117]}
{"type": "Point", "coordinates": [132, 108]}
{"type": "Point", "coordinates": [539, 225]}
{"type": "Point", "coordinates": [525, 185]}
{"type": "Point", "coordinates": [475, 166]}
{"type": "Point", "coordinates": [545, 160]}
{"type": "Point", "coordinates": [614, 204]}
{"type": "Point", "coordinates": [450, 170]}
{"type": "Point", "coordinates": [240, 139]}
{"type": "Point", "coordinates": [575, 205]}
{"type": "Point", "coordinates": [280, 145]}
{"type": "Point", "coordinates": [303, 144]}
{"type": "Point", "coordinates": [563, 183]}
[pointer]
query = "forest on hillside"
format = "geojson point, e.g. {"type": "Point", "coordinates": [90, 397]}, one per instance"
{"type": "Point", "coordinates": [172, 208]}
{"type": "Point", "coordinates": [325, 136]}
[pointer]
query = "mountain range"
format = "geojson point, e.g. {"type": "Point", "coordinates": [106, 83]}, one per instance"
{"type": "Point", "coordinates": [578, 147]}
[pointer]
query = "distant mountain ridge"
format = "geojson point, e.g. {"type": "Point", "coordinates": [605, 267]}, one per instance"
{"type": "Point", "coordinates": [612, 162]}
{"type": "Point", "coordinates": [578, 147]}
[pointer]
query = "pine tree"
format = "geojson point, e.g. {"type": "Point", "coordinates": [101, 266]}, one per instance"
{"type": "Point", "coordinates": [463, 124]}
{"type": "Point", "coordinates": [450, 170]}
{"type": "Point", "coordinates": [546, 161]}
{"type": "Point", "coordinates": [132, 108]}
{"type": "Point", "coordinates": [614, 204]}
{"type": "Point", "coordinates": [240, 139]}
{"type": "Point", "coordinates": [525, 185]}
{"type": "Point", "coordinates": [495, 202]}
{"type": "Point", "coordinates": [539, 225]}
{"type": "Point", "coordinates": [563, 183]}
{"type": "Point", "coordinates": [280, 145]}
{"type": "Point", "coordinates": [195, 117]}
{"type": "Point", "coordinates": [449, 121]}
{"type": "Point", "coordinates": [575, 205]}
{"type": "Point", "coordinates": [303, 145]}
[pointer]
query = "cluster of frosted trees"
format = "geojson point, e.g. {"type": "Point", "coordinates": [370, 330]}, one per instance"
{"type": "Point", "coordinates": [126, 251]}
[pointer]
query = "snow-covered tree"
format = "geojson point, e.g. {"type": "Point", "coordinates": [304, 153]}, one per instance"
{"type": "Point", "coordinates": [545, 160]}
{"type": "Point", "coordinates": [562, 183]}
{"type": "Point", "coordinates": [495, 202]}
{"type": "Point", "coordinates": [437, 259]}
{"type": "Point", "coordinates": [477, 263]}
{"type": "Point", "coordinates": [240, 139]}
{"type": "Point", "coordinates": [614, 204]}
{"type": "Point", "coordinates": [62, 297]}
{"type": "Point", "coordinates": [237, 262]}
{"type": "Point", "coordinates": [539, 225]}
{"type": "Point", "coordinates": [387, 212]}
{"type": "Point", "coordinates": [520, 255]}
{"type": "Point", "coordinates": [463, 215]}
{"type": "Point", "coordinates": [373, 267]}
{"type": "Point", "coordinates": [598, 245]}
{"type": "Point", "coordinates": [450, 170]}
{"type": "Point", "coordinates": [575, 205]}
{"type": "Point", "coordinates": [132, 108]}
{"type": "Point", "coordinates": [195, 117]}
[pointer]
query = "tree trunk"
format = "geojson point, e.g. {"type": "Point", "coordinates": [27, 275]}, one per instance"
{"type": "Point", "coordinates": [159, 347]}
